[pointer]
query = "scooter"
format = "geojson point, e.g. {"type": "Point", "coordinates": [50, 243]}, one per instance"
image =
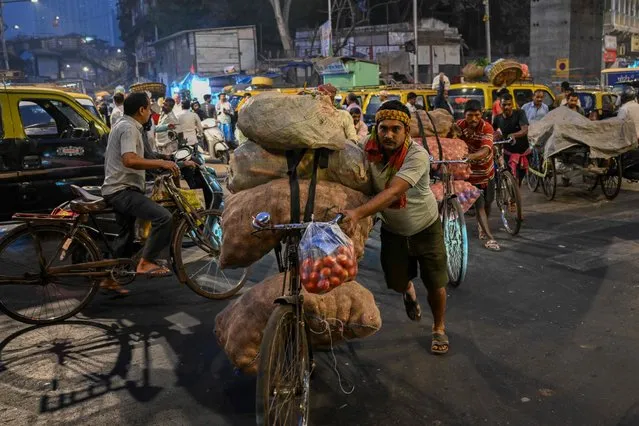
{"type": "Point", "coordinates": [214, 141]}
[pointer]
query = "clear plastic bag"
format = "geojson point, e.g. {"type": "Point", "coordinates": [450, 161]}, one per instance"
{"type": "Point", "coordinates": [327, 258]}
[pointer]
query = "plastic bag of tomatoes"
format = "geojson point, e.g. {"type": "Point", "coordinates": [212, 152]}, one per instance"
{"type": "Point", "coordinates": [327, 258]}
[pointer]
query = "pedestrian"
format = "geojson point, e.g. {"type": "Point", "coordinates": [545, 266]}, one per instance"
{"type": "Point", "coordinates": [411, 99]}
{"type": "Point", "coordinates": [190, 124]}
{"type": "Point", "coordinates": [224, 113]}
{"type": "Point", "coordinates": [478, 135]}
{"type": "Point", "coordinates": [124, 187]}
{"type": "Point", "coordinates": [208, 107]}
{"type": "Point", "coordinates": [360, 127]}
{"type": "Point", "coordinates": [351, 101]}
{"type": "Point", "coordinates": [118, 109]}
{"type": "Point", "coordinates": [383, 97]}
{"type": "Point", "coordinates": [572, 101]}
{"type": "Point", "coordinates": [167, 122]}
{"type": "Point", "coordinates": [496, 110]}
{"type": "Point", "coordinates": [347, 120]}
{"type": "Point", "coordinates": [536, 109]}
{"type": "Point", "coordinates": [513, 123]}
{"type": "Point", "coordinates": [411, 235]}
{"type": "Point", "coordinates": [629, 107]}
{"type": "Point", "coordinates": [196, 108]}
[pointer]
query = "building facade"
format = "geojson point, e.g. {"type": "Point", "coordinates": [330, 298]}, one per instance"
{"type": "Point", "coordinates": [566, 40]}
{"type": "Point", "coordinates": [621, 26]}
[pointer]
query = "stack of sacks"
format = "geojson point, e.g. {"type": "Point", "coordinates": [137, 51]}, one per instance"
{"type": "Point", "coordinates": [275, 123]}
{"type": "Point", "coordinates": [348, 312]}
{"type": "Point", "coordinates": [442, 119]}
{"type": "Point", "coordinates": [466, 192]}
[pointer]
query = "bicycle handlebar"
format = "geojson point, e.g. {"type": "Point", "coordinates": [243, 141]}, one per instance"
{"type": "Point", "coordinates": [462, 161]}
{"type": "Point", "coordinates": [509, 141]}
{"type": "Point", "coordinates": [262, 222]}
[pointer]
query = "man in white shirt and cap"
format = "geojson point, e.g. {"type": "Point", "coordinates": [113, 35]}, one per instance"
{"type": "Point", "coordinates": [190, 124]}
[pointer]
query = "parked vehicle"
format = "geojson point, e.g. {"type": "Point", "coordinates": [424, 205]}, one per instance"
{"type": "Point", "coordinates": [214, 141]}
{"type": "Point", "coordinates": [597, 104]}
{"type": "Point", "coordinates": [48, 142]}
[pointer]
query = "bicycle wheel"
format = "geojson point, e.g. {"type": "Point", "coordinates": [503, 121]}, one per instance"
{"type": "Point", "coordinates": [509, 202]}
{"type": "Point", "coordinates": [283, 381]}
{"type": "Point", "coordinates": [456, 240]}
{"type": "Point", "coordinates": [532, 180]}
{"type": "Point", "coordinates": [197, 265]}
{"type": "Point", "coordinates": [549, 182]}
{"type": "Point", "coordinates": [49, 299]}
{"type": "Point", "coordinates": [611, 181]}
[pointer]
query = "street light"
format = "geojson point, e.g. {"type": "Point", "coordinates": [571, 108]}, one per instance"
{"type": "Point", "coordinates": [119, 50]}
{"type": "Point", "coordinates": [16, 27]}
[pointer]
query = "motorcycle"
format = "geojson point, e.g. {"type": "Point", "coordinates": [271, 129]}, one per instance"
{"type": "Point", "coordinates": [214, 141]}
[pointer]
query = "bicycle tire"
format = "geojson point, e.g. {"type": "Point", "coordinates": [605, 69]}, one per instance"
{"type": "Point", "coordinates": [284, 328]}
{"type": "Point", "coordinates": [456, 240]}
{"type": "Point", "coordinates": [532, 180]}
{"type": "Point", "coordinates": [85, 243]}
{"type": "Point", "coordinates": [183, 246]}
{"type": "Point", "coordinates": [507, 187]}
{"type": "Point", "coordinates": [549, 182]}
{"type": "Point", "coordinates": [611, 181]}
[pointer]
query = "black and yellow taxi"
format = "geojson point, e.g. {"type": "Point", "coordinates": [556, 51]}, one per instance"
{"type": "Point", "coordinates": [521, 91]}
{"type": "Point", "coordinates": [48, 141]}
{"type": "Point", "coordinates": [597, 104]}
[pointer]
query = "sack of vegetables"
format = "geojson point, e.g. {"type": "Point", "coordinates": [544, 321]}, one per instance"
{"type": "Point", "coordinates": [327, 257]}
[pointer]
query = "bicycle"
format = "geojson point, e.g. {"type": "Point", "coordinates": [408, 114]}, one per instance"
{"type": "Point", "coordinates": [507, 192]}
{"type": "Point", "coordinates": [286, 359]}
{"type": "Point", "coordinates": [64, 266]}
{"type": "Point", "coordinates": [454, 226]}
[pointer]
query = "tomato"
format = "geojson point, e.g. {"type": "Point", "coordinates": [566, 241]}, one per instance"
{"type": "Point", "coordinates": [342, 259]}
{"type": "Point", "coordinates": [329, 261]}
{"type": "Point", "coordinates": [342, 250]}
{"type": "Point", "coordinates": [343, 275]}
{"type": "Point", "coordinates": [308, 263]}
{"type": "Point", "coordinates": [336, 270]}
{"type": "Point", "coordinates": [325, 272]}
{"type": "Point", "coordinates": [311, 287]}
{"type": "Point", "coordinates": [304, 277]}
{"type": "Point", "coordinates": [349, 263]}
{"type": "Point", "coordinates": [313, 277]}
{"type": "Point", "coordinates": [317, 265]}
{"type": "Point", "coordinates": [352, 272]}
{"type": "Point", "coordinates": [335, 281]}
{"type": "Point", "coordinates": [323, 286]}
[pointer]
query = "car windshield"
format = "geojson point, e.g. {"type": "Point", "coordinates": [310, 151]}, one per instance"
{"type": "Point", "coordinates": [373, 106]}
{"type": "Point", "coordinates": [88, 105]}
{"type": "Point", "coordinates": [587, 101]}
{"type": "Point", "coordinates": [459, 97]}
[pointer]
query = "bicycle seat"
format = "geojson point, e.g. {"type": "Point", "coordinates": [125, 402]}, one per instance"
{"type": "Point", "coordinates": [87, 203]}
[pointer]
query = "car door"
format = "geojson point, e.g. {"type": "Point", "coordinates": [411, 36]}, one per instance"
{"type": "Point", "coordinates": [59, 147]}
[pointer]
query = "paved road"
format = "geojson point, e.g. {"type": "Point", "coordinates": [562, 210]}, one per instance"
{"type": "Point", "coordinates": [543, 333]}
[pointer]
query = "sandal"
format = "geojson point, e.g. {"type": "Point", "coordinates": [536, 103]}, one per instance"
{"type": "Point", "coordinates": [158, 272]}
{"type": "Point", "coordinates": [413, 310]}
{"type": "Point", "coordinates": [111, 286]}
{"type": "Point", "coordinates": [439, 345]}
{"type": "Point", "coordinates": [492, 245]}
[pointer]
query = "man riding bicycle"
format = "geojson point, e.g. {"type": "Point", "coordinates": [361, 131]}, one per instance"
{"type": "Point", "coordinates": [124, 187]}
{"type": "Point", "coordinates": [513, 123]}
{"type": "Point", "coordinates": [412, 232]}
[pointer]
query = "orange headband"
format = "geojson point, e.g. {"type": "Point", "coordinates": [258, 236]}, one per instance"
{"type": "Point", "coordinates": [392, 114]}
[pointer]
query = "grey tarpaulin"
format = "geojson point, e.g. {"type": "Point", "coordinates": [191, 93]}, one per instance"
{"type": "Point", "coordinates": [563, 128]}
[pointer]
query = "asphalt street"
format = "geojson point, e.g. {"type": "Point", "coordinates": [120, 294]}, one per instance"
{"type": "Point", "coordinates": [542, 333]}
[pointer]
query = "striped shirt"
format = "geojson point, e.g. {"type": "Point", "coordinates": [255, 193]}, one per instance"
{"type": "Point", "coordinates": [482, 170]}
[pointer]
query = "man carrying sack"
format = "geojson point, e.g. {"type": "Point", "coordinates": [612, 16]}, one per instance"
{"type": "Point", "coordinates": [411, 233]}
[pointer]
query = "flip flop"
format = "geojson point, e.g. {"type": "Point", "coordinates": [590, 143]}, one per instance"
{"type": "Point", "coordinates": [111, 286]}
{"type": "Point", "coordinates": [439, 344]}
{"type": "Point", "coordinates": [492, 245]}
{"type": "Point", "coordinates": [158, 272]}
{"type": "Point", "coordinates": [413, 310]}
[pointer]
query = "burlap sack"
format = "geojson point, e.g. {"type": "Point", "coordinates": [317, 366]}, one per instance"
{"type": "Point", "coordinates": [252, 165]}
{"type": "Point", "coordinates": [442, 118]}
{"type": "Point", "coordinates": [452, 149]}
{"type": "Point", "coordinates": [473, 72]}
{"type": "Point", "coordinates": [281, 121]}
{"type": "Point", "coordinates": [241, 248]}
{"type": "Point", "coordinates": [349, 312]}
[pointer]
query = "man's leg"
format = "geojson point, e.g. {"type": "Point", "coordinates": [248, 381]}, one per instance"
{"type": "Point", "coordinates": [138, 205]}
{"type": "Point", "coordinates": [483, 206]}
{"type": "Point", "coordinates": [430, 249]}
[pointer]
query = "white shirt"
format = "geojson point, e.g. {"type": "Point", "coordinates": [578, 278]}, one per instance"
{"type": "Point", "coordinates": [223, 109]}
{"type": "Point", "coordinates": [117, 114]}
{"type": "Point", "coordinates": [437, 79]}
{"type": "Point", "coordinates": [411, 108]}
{"type": "Point", "coordinates": [630, 110]}
{"type": "Point", "coordinates": [190, 126]}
